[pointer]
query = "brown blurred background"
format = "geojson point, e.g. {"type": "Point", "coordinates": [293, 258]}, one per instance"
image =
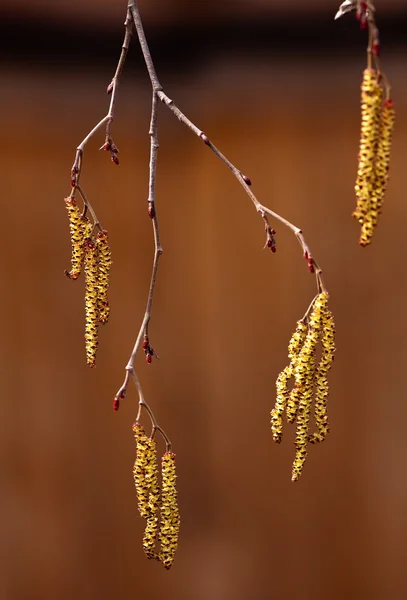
{"type": "Point", "coordinates": [276, 86]}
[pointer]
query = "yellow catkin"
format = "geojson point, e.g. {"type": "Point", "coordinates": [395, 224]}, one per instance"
{"type": "Point", "coordinates": [315, 323]}
{"type": "Point", "coordinates": [170, 519]}
{"type": "Point", "coordinates": [105, 262]}
{"type": "Point", "coordinates": [79, 228]}
{"type": "Point", "coordinates": [371, 114]}
{"type": "Point", "coordinates": [91, 308]}
{"type": "Point", "coordinates": [305, 375]}
{"type": "Point", "coordinates": [283, 394]}
{"type": "Point", "coordinates": [281, 401]}
{"type": "Point", "coordinates": [294, 349]}
{"type": "Point", "coordinates": [140, 469]}
{"type": "Point", "coordinates": [303, 416]}
{"type": "Point", "coordinates": [151, 480]}
{"type": "Point", "coordinates": [321, 382]}
{"type": "Point", "coordinates": [382, 165]}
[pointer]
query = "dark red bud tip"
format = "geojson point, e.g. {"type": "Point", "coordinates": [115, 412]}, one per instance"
{"type": "Point", "coordinates": [73, 181]}
{"type": "Point", "coordinates": [205, 139]}
{"type": "Point", "coordinates": [145, 345]}
{"type": "Point", "coordinates": [115, 159]}
{"type": "Point", "coordinates": [247, 180]}
{"type": "Point", "coordinates": [376, 48]}
{"type": "Point", "coordinates": [305, 255]}
{"type": "Point", "coordinates": [75, 170]}
{"type": "Point", "coordinates": [269, 243]}
{"type": "Point", "coordinates": [106, 146]}
{"type": "Point", "coordinates": [109, 88]}
{"type": "Point", "coordinates": [149, 358]}
{"type": "Point", "coordinates": [274, 249]}
{"type": "Point", "coordinates": [151, 210]}
{"type": "Point", "coordinates": [311, 267]}
{"type": "Point", "coordinates": [116, 404]}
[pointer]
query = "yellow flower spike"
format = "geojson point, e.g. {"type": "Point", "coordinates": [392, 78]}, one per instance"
{"type": "Point", "coordinates": [170, 519]}
{"type": "Point", "coordinates": [303, 417]}
{"type": "Point", "coordinates": [304, 364]}
{"type": "Point", "coordinates": [151, 481]}
{"type": "Point", "coordinates": [281, 401]}
{"type": "Point", "coordinates": [79, 230]}
{"type": "Point", "coordinates": [322, 386]}
{"type": "Point", "coordinates": [371, 100]}
{"type": "Point", "coordinates": [294, 348]}
{"type": "Point", "coordinates": [382, 165]}
{"type": "Point", "coordinates": [283, 394]}
{"type": "Point", "coordinates": [139, 470]}
{"type": "Point", "coordinates": [105, 262]}
{"type": "Point", "coordinates": [91, 308]}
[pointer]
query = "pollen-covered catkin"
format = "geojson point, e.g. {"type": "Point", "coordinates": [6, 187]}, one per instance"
{"type": "Point", "coordinates": [303, 416]}
{"type": "Point", "coordinates": [91, 295]}
{"type": "Point", "coordinates": [151, 481]}
{"type": "Point", "coordinates": [281, 401]}
{"type": "Point", "coordinates": [371, 115]}
{"type": "Point", "coordinates": [170, 519]}
{"type": "Point", "coordinates": [140, 470]}
{"type": "Point", "coordinates": [294, 349]}
{"type": "Point", "coordinates": [305, 376]}
{"type": "Point", "coordinates": [105, 262]}
{"type": "Point", "coordinates": [382, 159]}
{"type": "Point", "coordinates": [79, 228]}
{"type": "Point", "coordinates": [321, 383]}
{"type": "Point", "coordinates": [304, 362]}
{"type": "Point", "coordinates": [283, 394]}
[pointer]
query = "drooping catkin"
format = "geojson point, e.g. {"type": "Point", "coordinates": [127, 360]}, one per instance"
{"type": "Point", "coordinates": [151, 480]}
{"type": "Point", "coordinates": [105, 262]}
{"type": "Point", "coordinates": [91, 307]}
{"type": "Point", "coordinates": [170, 518]}
{"type": "Point", "coordinates": [371, 101]}
{"type": "Point", "coordinates": [140, 470]}
{"type": "Point", "coordinates": [303, 416]}
{"type": "Point", "coordinates": [294, 349]}
{"type": "Point", "coordinates": [79, 228]}
{"type": "Point", "coordinates": [382, 164]}
{"type": "Point", "coordinates": [321, 381]}
{"type": "Point", "coordinates": [283, 394]}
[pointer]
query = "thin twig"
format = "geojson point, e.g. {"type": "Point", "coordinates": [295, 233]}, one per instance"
{"type": "Point", "coordinates": [242, 179]}
{"type": "Point", "coordinates": [143, 332]}
{"type": "Point", "coordinates": [107, 119]}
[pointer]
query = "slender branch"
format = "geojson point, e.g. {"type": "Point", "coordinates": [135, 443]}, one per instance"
{"type": "Point", "coordinates": [143, 331]}
{"type": "Point", "coordinates": [107, 119]}
{"type": "Point", "coordinates": [242, 179]}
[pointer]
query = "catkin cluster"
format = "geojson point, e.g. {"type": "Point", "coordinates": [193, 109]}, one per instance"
{"type": "Point", "coordinates": [310, 381]}
{"type": "Point", "coordinates": [158, 507]}
{"type": "Point", "coordinates": [92, 254]}
{"type": "Point", "coordinates": [374, 154]}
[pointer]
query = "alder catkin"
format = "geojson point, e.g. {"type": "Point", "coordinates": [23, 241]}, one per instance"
{"type": "Point", "coordinates": [170, 519]}
{"type": "Point", "coordinates": [371, 102]}
{"type": "Point", "coordinates": [151, 481]}
{"type": "Point", "coordinates": [140, 469]}
{"type": "Point", "coordinates": [105, 262]}
{"type": "Point", "coordinates": [79, 228]}
{"type": "Point", "coordinates": [321, 381]}
{"type": "Point", "coordinates": [91, 307]}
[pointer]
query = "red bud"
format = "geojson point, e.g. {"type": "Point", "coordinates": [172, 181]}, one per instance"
{"type": "Point", "coordinates": [115, 159]}
{"type": "Point", "coordinates": [205, 139]}
{"type": "Point", "coordinates": [149, 358]}
{"type": "Point", "coordinates": [151, 210]}
{"type": "Point", "coordinates": [116, 404]}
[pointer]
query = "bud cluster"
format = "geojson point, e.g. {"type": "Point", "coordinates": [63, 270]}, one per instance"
{"type": "Point", "coordinates": [310, 381]}
{"type": "Point", "coordinates": [158, 507]}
